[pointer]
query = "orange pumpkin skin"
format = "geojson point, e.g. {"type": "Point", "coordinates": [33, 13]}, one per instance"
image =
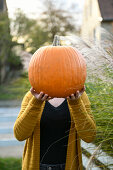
{"type": "Point", "coordinates": [58, 71]}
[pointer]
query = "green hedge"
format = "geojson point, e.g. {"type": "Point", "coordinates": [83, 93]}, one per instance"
{"type": "Point", "coordinates": [10, 163]}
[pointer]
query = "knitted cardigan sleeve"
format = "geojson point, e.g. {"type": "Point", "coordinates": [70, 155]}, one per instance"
{"type": "Point", "coordinates": [83, 118]}
{"type": "Point", "coordinates": [28, 116]}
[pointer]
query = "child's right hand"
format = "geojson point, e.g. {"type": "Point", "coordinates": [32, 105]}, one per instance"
{"type": "Point", "coordinates": [41, 96]}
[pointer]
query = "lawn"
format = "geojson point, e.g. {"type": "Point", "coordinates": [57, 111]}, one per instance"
{"type": "Point", "coordinates": [16, 89]}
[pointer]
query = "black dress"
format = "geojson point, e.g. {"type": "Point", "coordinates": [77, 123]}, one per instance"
{"type": "Point", "coordinates": [54, 131]}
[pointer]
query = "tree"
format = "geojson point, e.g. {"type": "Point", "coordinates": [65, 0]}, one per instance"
{"type": "Point", "coordinates": [29, 30]}
{"type": "Point", "coordinates": [56, 20]}
{"type": "Point", "coordinates": [38, 32]}
{"type": "Point", "coordinates": [8, 60]}
{"type": "Point", "coordinates": [5, 44]}
{"type": "Point", "coordinates": [22, 25]}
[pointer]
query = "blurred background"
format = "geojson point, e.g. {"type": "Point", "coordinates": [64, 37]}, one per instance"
{"type": "Point", "coordinates": [25, 26]}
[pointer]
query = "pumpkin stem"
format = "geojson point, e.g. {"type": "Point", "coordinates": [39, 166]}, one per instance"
{"type": "Point", "coordinates": [56, 41]}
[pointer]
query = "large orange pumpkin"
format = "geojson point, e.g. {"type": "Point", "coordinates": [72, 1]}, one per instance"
{"type": "Point", "coordinates": [57, 70]}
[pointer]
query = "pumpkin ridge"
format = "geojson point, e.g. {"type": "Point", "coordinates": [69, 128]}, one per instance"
{"type": "Point", "coordinates": [59, 69]}
{"type": "Point", "coordinates": [75, 61]}
{"type": "Point", "coordinates": [34, 70]}
{"type": "Point", "coordinates": [82, 62]}
{"type": "Point", "coordinates": [38, 69]}
{"type": "Point", "coordinates": [80, 68]}
{"type": "Point", "coordinates": [65, 69]}
{"type": "Point", "coordinates": [52, 52]}
{"type": "Point", "coordinates": [49, 51]}
{"type": "Point", "coordinates": [62, 72]}
{"type": "Point", "coordinates": [69, 63]}
{"type": "Point", "coordinates": [32, 64]}
{"type": "Point", "coordinates": [42, 79]}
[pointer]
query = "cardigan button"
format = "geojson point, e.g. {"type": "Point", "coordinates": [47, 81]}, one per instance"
{"type": "Point", "coordinates": [49, 168]}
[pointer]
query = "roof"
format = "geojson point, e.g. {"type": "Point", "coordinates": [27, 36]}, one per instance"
{"type": "Point", "coordinates": [106, 9]}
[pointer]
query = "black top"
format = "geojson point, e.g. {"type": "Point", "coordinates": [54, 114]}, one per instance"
{"type": "Point", "coordinates": [54, 130]}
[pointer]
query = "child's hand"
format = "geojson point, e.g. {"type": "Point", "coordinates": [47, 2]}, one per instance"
{"type": "Point", "coordinates": [76, 95]}
{"type": "Point", "coordinates": [41, 96]}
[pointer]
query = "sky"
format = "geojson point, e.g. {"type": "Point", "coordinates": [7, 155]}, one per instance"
{"type": "Point", "coordinates": [33, 7]}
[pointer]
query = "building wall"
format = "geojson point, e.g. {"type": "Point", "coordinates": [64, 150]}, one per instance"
{"type": "Point", "coordinates": [91, 20]}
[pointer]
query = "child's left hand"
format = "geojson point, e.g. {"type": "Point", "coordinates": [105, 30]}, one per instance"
{"type": "Point", "coordinates": [76, 95]}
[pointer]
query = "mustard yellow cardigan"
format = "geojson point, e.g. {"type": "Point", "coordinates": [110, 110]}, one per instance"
{"type": "Point", "coordinates": [27, 127]}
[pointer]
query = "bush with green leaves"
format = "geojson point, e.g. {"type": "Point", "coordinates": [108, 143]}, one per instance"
{"type": "Point", "coordinates": [10, 163]}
